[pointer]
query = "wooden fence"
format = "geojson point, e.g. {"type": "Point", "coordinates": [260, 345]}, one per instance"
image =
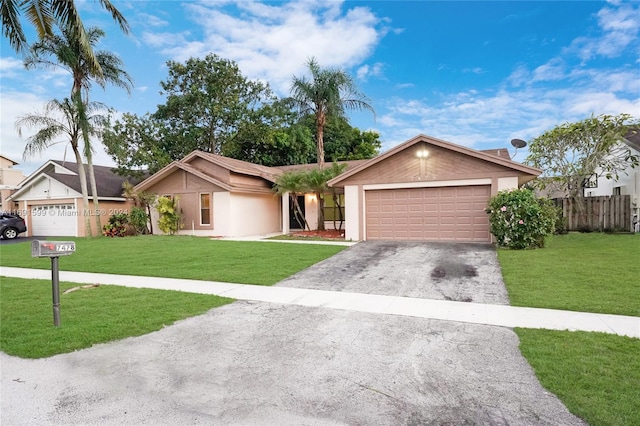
{"type": "Point", "coordinates": [600, 213]}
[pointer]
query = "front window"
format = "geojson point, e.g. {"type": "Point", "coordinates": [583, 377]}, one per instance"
{"type": "Point", "coordinates": [205, 209]}
{"type": "Point", "coordinates": [333, 211]}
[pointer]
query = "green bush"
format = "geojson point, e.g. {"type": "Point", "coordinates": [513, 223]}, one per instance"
{"type": "Point", "coordinates": [139, 219]}
{"type": "Point", "coordinates": [118, 225]}
{"type": "Point", "coordinates": [170, 216]}
{"type": "Point", "coordinates": [519, 220]}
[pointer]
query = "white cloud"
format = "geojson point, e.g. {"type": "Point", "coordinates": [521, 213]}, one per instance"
{"type": "Point", "coordinates": [366, 71]}
{"type": "Point", "coordinates": [16, 104]}
{"type": "Point", "coordinates": [272, 42]}
{"type": "Point", "coordinates": [619, 25]}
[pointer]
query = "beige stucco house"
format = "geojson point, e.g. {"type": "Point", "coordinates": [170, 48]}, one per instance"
{"type": "Point", "coordinates": [50, 200]}
{"type": "Point", "coordinates": [423, 189]}
{"type": "Point", "coordinates": [10, 179]}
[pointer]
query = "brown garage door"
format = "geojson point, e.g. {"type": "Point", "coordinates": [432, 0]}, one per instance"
{"type": "Point", "coordinates": [454, 213]}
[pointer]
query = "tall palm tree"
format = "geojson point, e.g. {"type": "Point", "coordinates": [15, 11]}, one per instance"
{"type": "Point", "coordinates": [44, 14]}
{"type": "Point", "coordinates": [60, 119]}
{"type": "Point", "coordinates": [329, 92]}
{"type": "Point", "coordinates": [65, 51]}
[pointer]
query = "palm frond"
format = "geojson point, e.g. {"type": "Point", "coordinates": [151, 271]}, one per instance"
{"type": "Point", "coordinates": [11, 26]}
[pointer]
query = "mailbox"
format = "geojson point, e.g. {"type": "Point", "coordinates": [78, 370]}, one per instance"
{"type": "Point", "coordinates": [52, 248]}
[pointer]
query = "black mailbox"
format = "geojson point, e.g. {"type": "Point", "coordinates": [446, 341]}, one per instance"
{"type": "Point", "coordinates": [52, 248]}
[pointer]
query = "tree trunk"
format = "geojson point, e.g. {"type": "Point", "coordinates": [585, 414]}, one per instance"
{"type": "Point", "coordinates": [297, 211]}
{"type": "Point", "coordinates": [320, 141]}
{"type": "Point", "coordinates": [320, 197]}
{"type": "Point", "coordinates": [86, 212]}
{"type": "Point", "coordinates": [94, 191]}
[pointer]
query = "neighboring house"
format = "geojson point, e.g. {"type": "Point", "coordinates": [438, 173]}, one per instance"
{"type": "Point", "coordinates": [628, 182]}
{"type": "Point", "coordinates": [50, 199]}
{"type": "Point", "coordinates": [425, 189]}
{"type": "Point", "coordinates": [10, 179]}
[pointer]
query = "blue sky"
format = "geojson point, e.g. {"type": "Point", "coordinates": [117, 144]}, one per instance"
{"type": "Point", "coordinates": [474, 73]}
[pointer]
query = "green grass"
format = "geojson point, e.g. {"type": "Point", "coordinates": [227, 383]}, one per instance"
{"type": "Point", "coordinates": [596, 375]}
{"type": "Point", "coordinates": [187, 257]}
{"type": "Point", "coordinates": [577, 272]}
{"type": "Point", "coordinates": [88, 317]}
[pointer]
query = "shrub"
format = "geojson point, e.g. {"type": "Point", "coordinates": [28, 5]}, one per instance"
{"type": "Point", "coordinates": [169, 221]}
{"type": "Point", "coordinates": [519, 220]}
{"type": "Point", "coordinates": [139, 219]}
{"type": "Point", "coordinates": [117, 225]}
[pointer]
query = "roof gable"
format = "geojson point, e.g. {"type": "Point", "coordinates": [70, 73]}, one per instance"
{"type": "Point", "coordinates": [108, 184]}
{"type": "Point", "coordinates": [440, 146]}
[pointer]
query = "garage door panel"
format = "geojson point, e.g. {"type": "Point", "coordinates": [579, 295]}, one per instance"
{"type": "Point", "coordinates": [54, 220]}
{"type": "Point", "coordinates": [430, 214]}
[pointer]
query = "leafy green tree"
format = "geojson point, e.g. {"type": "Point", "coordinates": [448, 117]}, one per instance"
{"type": "Point", "coordinates": [207, 100]}
{"type": "Point", "coordinates": [60, 118]}
{"type": "Point", "coordinates": [343, 142]}
{"type": "Point", "coordinates": [329, 92]}
{"type": "Point", "coordinates": [140, 144]}
{"type": "Point", "coordinates": [572, 153]}
{"type": "Point", "coordinates": [65, 51]}
{"type": "Point", "coordinates": [272, 137]}
{"type": "Point", "coordinates": [44, 15]}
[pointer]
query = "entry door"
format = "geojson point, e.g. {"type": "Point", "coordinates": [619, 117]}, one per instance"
{"type": "Point", "coordinates": [293, 221]}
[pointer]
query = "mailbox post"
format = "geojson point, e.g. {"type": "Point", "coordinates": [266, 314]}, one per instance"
{"type": "Point", "coordinates": [53, 250]}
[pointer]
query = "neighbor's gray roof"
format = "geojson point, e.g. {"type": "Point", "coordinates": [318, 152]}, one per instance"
{"type": "Point", "coordinates": [108, 183]}
{"type": "Point", "coordinates": [633, 139]}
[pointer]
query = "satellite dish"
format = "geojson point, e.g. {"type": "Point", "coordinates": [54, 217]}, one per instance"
{"type": "Point", "coordinates": [518, 143]}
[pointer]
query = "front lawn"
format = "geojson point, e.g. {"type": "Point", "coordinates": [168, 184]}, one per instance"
{"type": "Point", "coordinates": [596, 375]}
{"type": "Point", "coordinates": [577, 272]}
{"type": "Point", "coordinates": [87, 317]}
{"type": "Point", "coordinates": [186, 257]}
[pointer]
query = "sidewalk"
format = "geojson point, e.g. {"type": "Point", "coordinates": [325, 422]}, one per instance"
{"type": "Point", "coordinates": [476, 313]}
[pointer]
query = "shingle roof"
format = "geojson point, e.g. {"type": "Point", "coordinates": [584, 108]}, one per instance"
{"type": "Point", "coordinates": [108, 183]}
{"type": "Point", "coordinates": [633, 139]}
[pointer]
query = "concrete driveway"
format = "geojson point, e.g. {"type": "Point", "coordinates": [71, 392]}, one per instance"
{"type": "Point", "coordinates": [442, 271]}
{"type": "Point", "coordinates": [260, 363]}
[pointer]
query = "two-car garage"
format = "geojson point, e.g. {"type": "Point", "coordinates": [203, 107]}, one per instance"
{"type": "Point", "coordinates": [427, 189]}
{"type": "Point", "coordinates": [455, 213]}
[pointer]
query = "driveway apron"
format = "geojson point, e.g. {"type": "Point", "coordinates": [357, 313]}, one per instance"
{"type": "Point", "coordinates": [256, 363]}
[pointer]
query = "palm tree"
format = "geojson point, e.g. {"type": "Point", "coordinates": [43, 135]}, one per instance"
{"type": "Point", "coordinates": [65, 51]}
{"type": "Point", "coordinates": [60, 118]}
{"type": "Point", "coordinates": [294, 184]}
{"type": "Point", "coordinates": [44, 14]}
{"type": "Point", "coordinates": [329, 92]}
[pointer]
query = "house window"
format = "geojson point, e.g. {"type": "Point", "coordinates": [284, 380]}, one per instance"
{"type": "Point", "coordinates": [617, 190]}
{"type": "Point", "coordinates": [331, 210]}
{"type": "Point", "coordinates": [205, 209]}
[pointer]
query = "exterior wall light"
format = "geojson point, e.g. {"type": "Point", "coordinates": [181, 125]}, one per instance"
{"type": "Point", "coordinates": [422, 153]}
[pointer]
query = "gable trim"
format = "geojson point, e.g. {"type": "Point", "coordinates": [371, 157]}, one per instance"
{"type": "Point", "coordinates": [167, 170]}
{"type": "Point", "coordinates": [442, 144]}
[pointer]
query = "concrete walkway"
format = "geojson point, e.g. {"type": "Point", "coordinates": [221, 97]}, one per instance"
{"type": "Point", "coordinates": [476, 313]}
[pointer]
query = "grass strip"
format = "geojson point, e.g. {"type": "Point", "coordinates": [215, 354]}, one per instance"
{"type": "Point", "coordinates": [244, 262]}
{"type": "Point", "coordinates": [596, 375]}
{"type": "Point", "coordinates": [577, 272]}
{"type": "Point", "coordinates": [88, 317]}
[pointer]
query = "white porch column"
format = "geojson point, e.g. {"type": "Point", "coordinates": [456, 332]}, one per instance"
{"type": "Point", "coordinates": [285, 213]}
{"type": "Point", "coordinates": [352, 213]}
